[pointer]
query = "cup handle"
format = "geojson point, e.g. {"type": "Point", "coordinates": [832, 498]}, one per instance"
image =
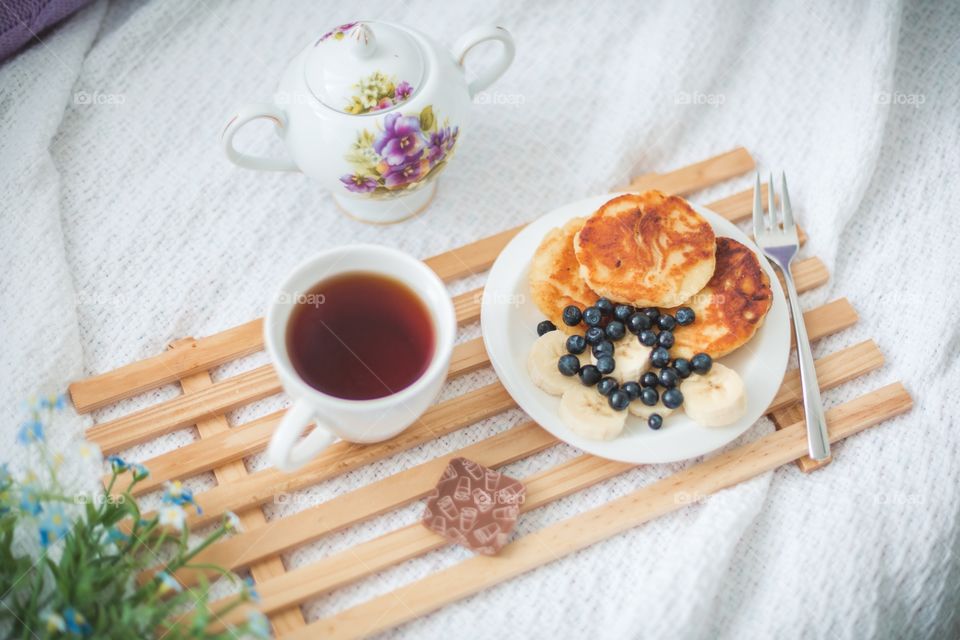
{"type": "Point", "coordinates": [479, 35]}
{"type": "Point", "coordinates": [245, 114]}
{"type": "Point", "coordinates": [284, 452]}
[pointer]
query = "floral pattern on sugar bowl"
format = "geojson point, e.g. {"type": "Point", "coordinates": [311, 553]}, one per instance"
{"type": "Point", "coordinates": [377, 92]}
{"type": "Point", "coordinates": [402, 156]}
{"type": "Point", "coordinates": [373, 112]}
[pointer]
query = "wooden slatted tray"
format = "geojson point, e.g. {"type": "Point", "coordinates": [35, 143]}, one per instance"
{"type": "Point", "coordinates": [221, 448]}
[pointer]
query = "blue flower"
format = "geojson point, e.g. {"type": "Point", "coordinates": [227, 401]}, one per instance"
{"type": "Point", "coordinates": [76, 623]}
{"type": "Point", "coordinates": [258, 624]}
{"type": "Point", "coordinates": [251, 590]}
{"type": "Point", "coordinates": [168, 583]}
{"type": "Point", "coordinates": [179, 495]}
{"type": "Point", "coordinates": [30, 431]}
{"type": "Point", "coordinates": [30, 500]}
{"type": "Point", "coordinates": [140, 472]}
{"type": "Point", "coordinates": [115, 535]}
{"type": "Point", "coordinates": [53, 525]}
{"type": "Point", "coordinates": [117, 463]}
{"type": "Point", "coordinates": [54, 622]}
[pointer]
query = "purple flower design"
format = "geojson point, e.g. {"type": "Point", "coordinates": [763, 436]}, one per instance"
{"type": "Point", "coordinates": [406, 173]}
{"type": "Point", "coordinates": [338, 31]}
{"type": "Point", "coordinates": [401, 141]}
{"type": "Point", "coordinates": [359, 184]}
{"type": "Point", "coordinates": [441, 142]}
{"type": "Point", "coordinates": [403, 91]}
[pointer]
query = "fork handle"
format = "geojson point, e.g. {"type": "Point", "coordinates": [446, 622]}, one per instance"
{"type": "Point", "coordinates": [818, 441]}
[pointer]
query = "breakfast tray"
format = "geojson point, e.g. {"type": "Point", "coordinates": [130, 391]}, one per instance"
{"type": "Point", "coordinates": [221, 448]}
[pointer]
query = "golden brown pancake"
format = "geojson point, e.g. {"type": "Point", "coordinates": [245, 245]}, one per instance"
{"type": "Point", "coordinates": [648, 249]}
{"type": "Point", "coordinates": [730, 308]}
{"type": "Point", "coordinates": [555, 280]}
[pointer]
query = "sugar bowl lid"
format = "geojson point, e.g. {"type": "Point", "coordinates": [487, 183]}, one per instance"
{"type": "Point", "coordinates": [364, 67]}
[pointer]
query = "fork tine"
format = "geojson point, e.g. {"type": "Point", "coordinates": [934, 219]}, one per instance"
{"type": "Point", "coordinates": [757, 210]}
{"type": "Point", "coordinates": [785, 210]}
{"type": "Point", "coordinates": [771, 208]}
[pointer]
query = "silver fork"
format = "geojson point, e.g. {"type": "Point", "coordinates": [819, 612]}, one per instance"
{"type": "Point", "coordinates": [780, 245]}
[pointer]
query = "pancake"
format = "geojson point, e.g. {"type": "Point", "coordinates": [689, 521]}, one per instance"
{"type": "Point", "coordinates": [649, 250]}
{"type": "Point", "coordinates": [730, 308]}
{"type": "Point", "coordinates": [555, 280]}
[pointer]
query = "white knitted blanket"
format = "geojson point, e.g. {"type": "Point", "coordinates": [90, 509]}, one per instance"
{"type": "Point", "coordinates": [124, 228]}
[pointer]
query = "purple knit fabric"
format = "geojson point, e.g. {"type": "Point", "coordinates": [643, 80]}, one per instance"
{"type": "Point", "coordinates": [21, 21]}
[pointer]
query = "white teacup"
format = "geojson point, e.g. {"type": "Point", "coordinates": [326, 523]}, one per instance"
{"type": "Point", "coordinates": [354, 420]}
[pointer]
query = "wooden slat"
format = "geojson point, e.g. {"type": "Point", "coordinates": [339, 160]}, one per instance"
{"type": "Point", "coordinates": [347, 509]}
{"type": "Point", "coordinates": [285, 534]}
{"type": "Point", "coordinates": [697, 176]}
{"type": "Point", "coordinates": [790, 415]}
{"type": "Point", "coordinates": [341, 457]}
{"type": "Point", "coordinates": [223, 396]}
{"type": "Point", "coordinates": [206, 353]}
{"type": "Point", "coordinates": [578, 532]}
{"type": "Point", "coordinates": [292, 617]}
{"type": "Point", "coordinates": [252, 437]}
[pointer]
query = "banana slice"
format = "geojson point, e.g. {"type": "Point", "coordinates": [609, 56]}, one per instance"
{"type": "Point", "coordinates": [632, 358]}
{"type": "Point", "coordinates": [715, 399]}
{"type": "Point", "coordinates": [542, 364]}
{"type": "Point", "coordinates": [588, 414]}
{"type": "Point", "coordinates": [641, 410]}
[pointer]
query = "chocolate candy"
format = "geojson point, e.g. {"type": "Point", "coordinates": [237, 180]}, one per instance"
{"type": "Point", "coordinates": [474, 506]}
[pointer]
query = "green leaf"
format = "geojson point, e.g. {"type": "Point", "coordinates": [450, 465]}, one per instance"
{"type": "Point", "coordinates": [426, 118]}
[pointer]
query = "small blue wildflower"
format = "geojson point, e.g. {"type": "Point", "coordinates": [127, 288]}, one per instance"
{"type": "Point", "coordinates": [53, 525]}
{"type": "Point", "coordinates": [179, 495]}
{"type": "Point", "coordinates": [60, 402]}
{"type": "Point", "coordinates": [115, 535]}
{"type": "Point", "coordinates": [117, 463]}
{"type": "Point", "coordinates": [168, 583]}
{"type": "Point", "coordinates": [258, 624]}
{"type": "Point", "coordinates": [76, 623]}
{"type": "Point", "coordinates": [30, 500]}
{"type": "Point", "coordinates": [30, 431]}
{"type": "Point", "coordinates": [54, 622]}
{"type": "Point", "coordinates": [251, 590]}
{"type": "Point", "coordinates": [140, 472]}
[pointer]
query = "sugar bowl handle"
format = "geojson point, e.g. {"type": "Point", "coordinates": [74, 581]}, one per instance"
{"type": "Point", "coordinates": [245, 114]}
{"type": "Point", "coordinates": [477, 36]}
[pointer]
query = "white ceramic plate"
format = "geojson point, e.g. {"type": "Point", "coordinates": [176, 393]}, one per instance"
{"type": "Point", "coordinates": [509, 319]}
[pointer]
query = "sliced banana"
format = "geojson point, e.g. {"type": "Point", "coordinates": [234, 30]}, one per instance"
{"type": "Point", "coordinates": [632, 358]}
{"type": "Point", "coordinates": [588, 414]}
{"type": "Point", "coordinates": [716, 399]}
{"type": "Point", "coordinates": [542, 364]}
{"type": "Point", "coordinates": [637, 408]}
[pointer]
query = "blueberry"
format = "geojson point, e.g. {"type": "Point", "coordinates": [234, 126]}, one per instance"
{"type": "Point", "coordinates": [606, 364]}
{"type": "Point", "coordinates": [545, 327]}
{"type": "Point", "coordinates": [665, 339]}
{"type": "Point", "coordinates": [632, 388]}
{"type": "Point", "coordinates": [659, 357]}
{"type": "Point", "coordinates": [669, 377]}
{"type": "Point", "coordinates": [591, 316]}
{"type": "Point", "coordinates": [666, 321]}
{"type": "Point", "coordinates": [701, 363]}
{"type": "Point", "coordinates": [622, 312]}
{"type": "Point", "coordinates": [576, 344]}
{"type": "Point", "coordinates": [655, 421]}
{"type": "Point", "coordinates": [672, 398]}
{"type": "Point", "coordinates": [685, 316]}
{"type": "Point", "coordinates": [594, 336]}
{"type": "Point", "coordinates": [568, 365]}
{"type": "Point", "coordinates": [605, 306]}
{"type": "Point", "coordinates": [638, 322]}
{"type": "Point", "coordinates": [682, 365]}
{"type": "Point", "coordinates": [651, 312]}
{"type": "Point", "coordinates": [648, 338]}
{"type": "Point", "coordinates": [607, 385]}
{"type": "Point", "coordinates": [649, 396]}
{"type": "Point", "coordinates": [649, 379]}
{"type": "Point", "coordinates": [572, 315]}
{"type": "Point", "coordinates": [589, 375]}
{"type": "Point", "coordinates": [619, 400]}
{"type": "Point", "coordinates": [603, 348]}
{"type": "Point", "coordinates": [615, 330]}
